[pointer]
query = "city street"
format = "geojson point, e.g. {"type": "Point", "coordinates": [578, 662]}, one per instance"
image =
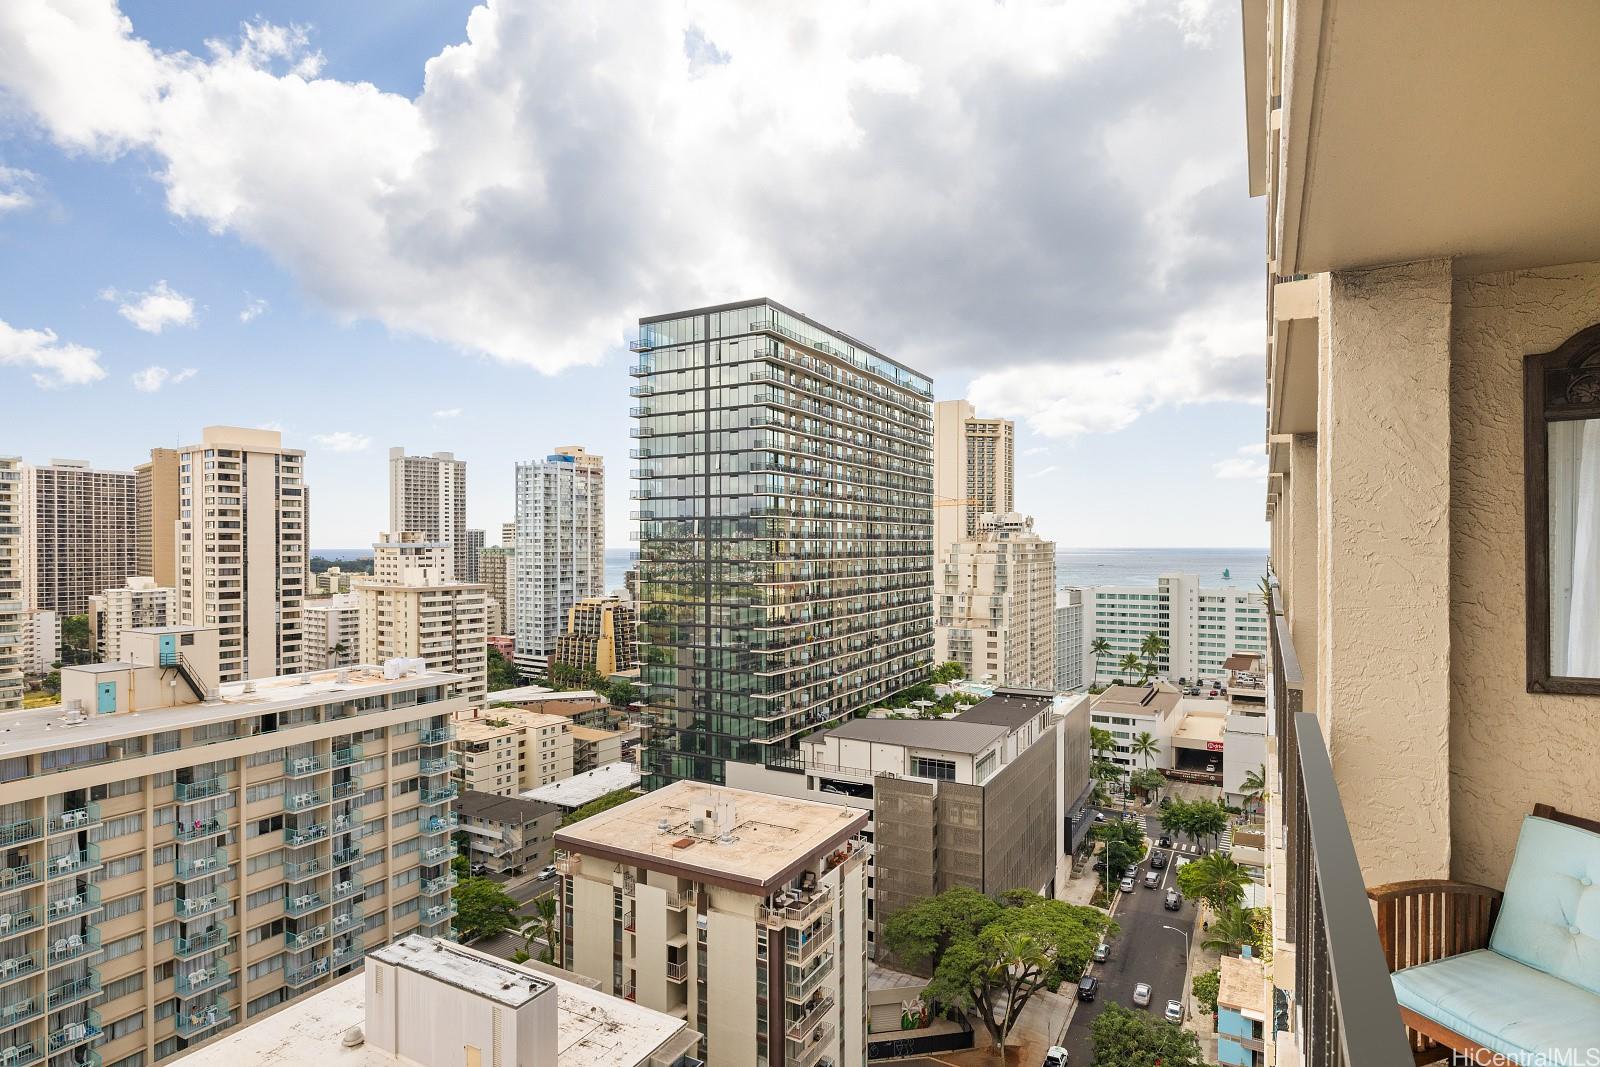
{"type": "Point", "coordinates": [1143, 952]}
{"type": "Point", "coordinates": [525, 891]}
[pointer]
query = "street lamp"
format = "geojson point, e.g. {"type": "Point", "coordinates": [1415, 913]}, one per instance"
{"type": "Point", "coordinates": [1182, 933]}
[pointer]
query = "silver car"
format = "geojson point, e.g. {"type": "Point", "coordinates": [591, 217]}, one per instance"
{"type": "Point", "coordinates": [1174, 1012]}
{"type": "Point", "coordinates": [1126, 885]}
{"type": "Point", "coordinates": [1141, 995]}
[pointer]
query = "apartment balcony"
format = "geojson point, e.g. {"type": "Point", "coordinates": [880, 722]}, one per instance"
{"type": "Point", "coordinates": [804, 1025]}
{"type": "Point", "coordinates": [436, 737]}
{"type": "Point", "coordinates": [299, 837]}
{"type": "Point", "coordinates": [194, 907]}
{"type": "Point", "coordinates": [21, 875]}
{"type": "Point", "coordinates": [74, 1034]}
{"type": "Point", "coordinates": [207, 866]}
{"type": "Point", "coordinates": [305, 870]}
{"type": "Point", "coordinates": [303, 904]}
{"type": "Point", "coordinates": [434, 886]}
{"type": "Point", "coordinates": [21, 831]}
{"type": "Point", "coordinates": [345, 889]}
{"type": "Point", "coordinates": [75, 819]}
{"type": "Point", "coordinates": [798, 990]}
{"type": "Point", "coordinates": [303, 766]}
{"type": "Point", "coordinates": [440, 824]}
{"type": "Point", "coordinates": [18, 922]}
{"type": "Point", "coordinates": [16, 968]}
{"type": "Point", "coordinates": [201, 981]}
{"type": "Point", "coordinates": [345, 856]}
{"type": "Point", "coordinates": [796, 907]}
{"type": "Point", "coordinates": [209, 940]}
{"type": "Point", "coordinates": [804, 945]}
{"type": "Point", "coordinates": [196, 1021]}
{"type": "Point", "coordinates": [351, 791]}
{"type": "Point", "coordinates": [345, 920]}
{"type": "Point", "coordinates": [18, 1012]}
{"type": "Point", "coordinates": [344, 822]}
{"type": "Point", "coordinates": [346, 954]}
{"type": "Point", "coordinates": [438, 796]}
{"type": "Point", "coordinates": [196, 829]}
{"type": "Point", "coordinates": [443, 765]}
{"type": "Point", "coordinates": [302, 801]}
{"type": "Point", "coordinates": [343, 757]}
{"type": "Point", "coordinates": [185, 792]}
{"type": "Point", "coordinates": [436, 913]}
{"type": "Point", "coordinates": [75, 904]}
{"type": "Point", "coordinates": [73, 991]}
{"type": "Point", "coordinates": [311, 938]}
{"type": "Point", "coordinates": [809, 1053]}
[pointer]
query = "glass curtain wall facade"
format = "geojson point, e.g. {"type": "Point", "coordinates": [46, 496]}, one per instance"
{"type": "Point", "coordinates": [785, 517]}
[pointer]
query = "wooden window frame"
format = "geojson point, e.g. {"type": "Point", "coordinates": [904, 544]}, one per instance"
{"type": "Point", "coordinates": [1558, 386]}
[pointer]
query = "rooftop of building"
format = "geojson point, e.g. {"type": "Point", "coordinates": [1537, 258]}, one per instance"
{"type": "Point", "coordinates": [942, 735]}
{"type": "Point", "coordinates": [594, 733]}
{"type": "Point", "coordinates": [1011, 708]}
{"type": "Point", "coordinates": [578, 790]}
{"type": "Point", "coordinates": [1157, 698]}
{"type": "Point", "coordinates": [492, 808]}
{"type": "Point", "coordinates": [1202, 724]}
{"type": "Point", "coordinates": [595, 1029]}
{"type": "Point", "coordinates": [762, 843]}
{"type": "Point", "coordinates": [476, 725]}
{"type": "Point", "coordinates": [1242, 986]}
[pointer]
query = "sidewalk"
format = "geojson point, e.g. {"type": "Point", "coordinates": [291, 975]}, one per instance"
{"type": "Point", "coordinates": [1200, 960]}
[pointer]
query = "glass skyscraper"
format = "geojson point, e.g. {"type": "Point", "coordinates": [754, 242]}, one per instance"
{"type": "Point", "coordinates": [785, 510]}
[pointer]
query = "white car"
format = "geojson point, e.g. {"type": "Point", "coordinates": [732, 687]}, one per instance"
{"type": "Point", "coordinates": [1174, 1012]}
{"type": "Point", "coordinates": [1055, 1056]}
{"type": "Point", "coordinates": [1141, 995]}
{"type": "Point", "coordinates": [1126, 885]}
{"type": "Point", "coordinates": [548, 871]}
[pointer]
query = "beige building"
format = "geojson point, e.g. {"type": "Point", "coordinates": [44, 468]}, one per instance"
{"type": "Point", "coordinates": [495, 573]}
{"type": "Point", "coordinates": [333, 581]}
{"type": "Point", "coordinates": [137, 603]}
{"type": "Point", "coordinates": [410, 609]}
{"type": "Point", "coordinates": [508, 535]}
{"type": "Point", "coordinates": [743, 913]}
{"type": "Point", "coordinates": [506, 834]}
{"type": "Point", "coordinates": [1432, 265]}
{"type": "Point", "coordinates": [155, 491]}
{"type": "Point", "coordinates": [602, 636]}
{"type": "Point", "coordinates": [13, 598]}
{"type": "Point", "coordinates": [176, 866]}
{"type": "Point", "coordinates": [333, 631]}
{"type": "Point", "coordinates": [427, 1002]}
{"type": "Point", "coordinates": [41, 642]}
{"type": "Point", "coordinates": [995, 604]}
{"type": "Point", "coordinates": [428, 496]}
{"type": "Point", "coordinates": [595, 747]}
{"type": "Point", "coordinates": [974, 471]}
{"type": "Point", "coordinates": [78, 531]}
{"type": "Point", "coordinates": [506, 751]}
{"type": "Point", "coordinates": [242, 547]}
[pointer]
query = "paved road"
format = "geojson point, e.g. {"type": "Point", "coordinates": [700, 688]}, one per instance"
{"type": "Point", "coordinates": [525, 890]}
{"type": "Point", "coordinates": [1143, 952]}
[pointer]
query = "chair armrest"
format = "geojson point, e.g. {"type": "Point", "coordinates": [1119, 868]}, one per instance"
{"type": "Point", "coordinates": [1429, 919]}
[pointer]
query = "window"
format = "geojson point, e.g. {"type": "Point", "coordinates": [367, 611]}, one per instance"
{"type": "Point", "coordinates": [127, 905]}
{"type": "Point", "coordinates": [940, 769]}
{"type": "Point", "coordinates": [123, 946]}
{"type": "Point", "coordinates": [123, 1027]}
{"type": "Point", "coordinates": [1562, 490]}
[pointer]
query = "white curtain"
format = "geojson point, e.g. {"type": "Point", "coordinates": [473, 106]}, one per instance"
{"type": "Point", "coordinates": [1575, 548]}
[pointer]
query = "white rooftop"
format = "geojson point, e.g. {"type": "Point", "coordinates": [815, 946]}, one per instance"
{"type": "Point", "coordinates": [578, 790]}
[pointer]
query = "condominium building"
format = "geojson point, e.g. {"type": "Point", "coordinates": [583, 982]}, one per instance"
{"type": "Point", "coordinates": [155, 493]}
{"type": "Point", "coordinates": [428, 496]}
{"type": "Point", "coordinates": [1433, 435]}
{"type": "Point", "coordinates": [332, 582]}
{"type": "Point", "coordinates": [474, 546]}
{"type": "Point", "coordinates": [333, 631]}
{"type": "Point", "coordinates": [136, 604]}
{"type": "Point", "coordinates": [1127, 711]}
{"type": "Point", "coordinates": [1070, 645]}
{"type": "Point", "coordinates": [995, 604]}
{"type": "Point", "coordinates": [1202, 626]}
{"type": "Point", "coordinates": [41, 642]}
{"type": "Point", "coordinates": [505, 751]}
{"type": "Point", "coordinates": [427, 1002]}
{"type": "Point", "coordinates": [742, 913]}
{"type": "Point", "coordinates": [13, 597]}
{"type": "Point", "coordinates": [79, 533]}
{"type": "Point", "coordinates": [496, 570]}
{"type": "Point", "coordinates": [177, 866]}
{"type": "Point", "coordinates": [410, 609]}
{"type": "Point", "coordinates": [560, 548]}
{"type": "Point", "coordinates": [508, 534]}
{"type": "Point", "coordinates": [242, 537]}
{"type": "Point", "coordinates": [595, 746]}
{"type": "Point", "coordinates": [785, 532]}
{"type": "Point", "coordinates": [974, 471]}
{"type": "Point", "coordinates": [506, 834]}
{"type": "Point", "coordinates": [601, 636]}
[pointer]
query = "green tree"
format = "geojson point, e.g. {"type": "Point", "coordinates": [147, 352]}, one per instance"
{"type": "Point", "coordinates": [486, 910]}
{"type": "Point", "coordinates": [1215, 879]}
{"type": "Point", "coordinates": [921, 933]}
{"type": "Point", "coordinates": [1126, 1038]}
{"type": "Point", "coordinates": [461, 866]}
{"type": "Point", "coordinates": [1206, 987]}
{"type": "Point", "coordinates": [1232, 928]}
{"type": "Point", "coordinates": [1129, 665]}
{"type": "Point", "coordinates": [1152, 647]}
{"type": "Point", "coordinates": [1208, 818]}
{"type": "Point", "coordinates": [52, 682]}
{"type": "Point", "coordinates": [1097, 648]}
{"type": "Point", "coordinates": [1146, 745]}
{"type": "Point", "coordinates": [502, 672]}
{"type": "Point", "coordinates": [1147, 781]}
{"type": "Point", "coordinates": [541, 927]}
{"type": "Point", "coordinates": [1266, 594]}
{"type": "Point", "coordinates": [1101, 741]}
{"type": "Point", "coordinates": [77, 647]}
{"type": "Point", "coordinates": [599, 804]}
{"type": "Point", "coordinates": [994, 969]}
{"type": "Point", "coordinates": [1254, 786]}
{"type": "Point", "coordinates": [622, 693]}
{"type": "Point", "coordinates": [951, 671]}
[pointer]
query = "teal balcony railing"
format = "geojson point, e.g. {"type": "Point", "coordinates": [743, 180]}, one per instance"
{"type": "Point", "coordinates": [87, 899]}
{"type": "Point", "coordinates": [346, 821]}
{"type": "Point", "coordinates": [346, 856]}
{"type": "Point", "coordinates": [303, 903]}
{"type": "Point", "coordinates": [74, 1033]}
{"type": "Point", "coordinates": [18, 922]}
{"type": "Point", "coordinates": [442, 884]}
{"type": "Point", "coordinates": [343, 757]}
{"type": "Point", "coordinates": [16, 968]}
{"type": "Point", "coordinates": [296, 837]}
{"type": "Point", "coordinates": [194, 907]}
{"type": "Point", "coordinates": [307, 974]}
{"type": "Point", "coordinates": [347, 888]}
{"type": "Point", "coordinates": [16, 833]}
{"type": "Point", "coordinates": [347, 919]}
{"type": "Point", "coordinates": [200, 981]}
{"type": "Point", "coordinates": [187, 791]}
{"type": "Point", "coordinates": [436, 853]}
{"type": "Point", "coordinates": [442, 765]}
{"type": "Point", "coordinates": [301, 801]}
{"type": "Point", "coordinates": [436, 737]}
{"type": "Point", "coordinates": [301, 766]}
{"type": "Point", "coordinates": [438, 913]}
{"type": "Point", "coordinates": [73, 990]}
{"type": "Point", "coordinates": [297, 942]}
{"type": "Point", "coordinates": [209, 865]}
{"type": "Point", "coordinates": [76, 818]}
{"type": "Point", "coordinates": [195, 829]}
{"type": "Point", "coordinates": [208, 940]}
{"type": "Point", "coordinates": [439, 796]}
{"type": "Point", "coordinates": [20, 1011]}
{"type": "Point", "coordinates": [347, 953]}
{"type": "Point", "coordinates": [300, 872]}
{"type": "Point", "coordinates": [440, 824]}
{"type": "Point", "coordinates": [73, 947]}
{"type": "Point", "coordinates": [83, 859]}
{"type": "Point", "coordinates": [350, 790]}
{"type": "Point", "coordinates": [197, 1020]}
{"type": "Point", "coordinates": [18, 876]}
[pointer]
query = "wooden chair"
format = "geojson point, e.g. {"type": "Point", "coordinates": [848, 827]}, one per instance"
{"type": "Point", "coordinates": [1430, 919]}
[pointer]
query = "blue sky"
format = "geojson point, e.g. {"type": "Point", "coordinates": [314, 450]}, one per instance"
{"type": "Point", "coordinates": [1110, 311]}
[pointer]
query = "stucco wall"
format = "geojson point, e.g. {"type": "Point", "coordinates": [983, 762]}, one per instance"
{"type": "Point", "coordinates": [1509, 748]}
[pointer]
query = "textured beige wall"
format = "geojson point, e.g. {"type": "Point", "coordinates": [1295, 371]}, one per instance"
{"type": "Point", "coordinates": [1510, 748]}
{"type": "Point", "coordinates": [1383, 655]}
{"type": "Point", "coordinates": [1301, 545]}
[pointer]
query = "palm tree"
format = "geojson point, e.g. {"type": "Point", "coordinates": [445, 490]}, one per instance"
{"type": "Point", "coordinates": [1152, 648]}
{"type": "Point", "coordinates": [1145, 745]}
{"type": "Point", "coordinates": [1231, 928]}
{"type": "Point", "coordinates": [1254, 786]}
{"type": "Point", "coordinates": [1215, 879]}
{"type": "Point", "coordinates": [1130, 663]}
{"type": "Point", "coordinates": [1097, 648]}
{"type": "Point", "coordinates": [542, 927]}
{"type": "Point", "coordinates": [1266, 594]}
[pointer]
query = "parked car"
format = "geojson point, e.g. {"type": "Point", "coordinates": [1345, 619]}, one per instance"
{"type": "Point", "coordinates": [1152, 879]}
{"type": "Point", "coordinates": [1158, 860]}
{"type": "Point", "coordinates": [1099, 865]}
{"type": "Point", "coordinates": [547, 871]}
{"type": "Point", "coordinates": [1132, 871]}
{"type": "Point", "coordinates": [1165, 842]}
{"type": "Point", "coordinates": [1088, 986]}
{"type": "Point", "coordinates": [1174, 1012]}
{"type": "Point", "coordinates": [1099, 816]}
{"type": "Point", "coordinates": [1055, 1056]}
{"type": "Point", "coordinates": [480, 868]}
{"type": "Point", "coordinates": [1141, 995]}
{"type": "Point", "coordinates": [1126, 885]}
{"type": "Point", "coordinates": [1102, 952]}
{"type": "Point", "coordinates": [1211, 768]}
{"type": "Point", "coordinates": [1174, 900]}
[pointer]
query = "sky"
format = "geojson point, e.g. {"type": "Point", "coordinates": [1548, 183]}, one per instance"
{"type": "Point", "coordinates": [435, 224]}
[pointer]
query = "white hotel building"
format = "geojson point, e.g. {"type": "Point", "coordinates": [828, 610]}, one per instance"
{"type": "Point", "coordinates": [1202, 626]}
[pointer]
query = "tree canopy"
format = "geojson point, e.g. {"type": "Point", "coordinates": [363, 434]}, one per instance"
{"type": "Point", "coordinates": [1206, 987]}
{"type": "Point", "coordinates": [1126, 1038]}
{"type": "Point", "coordinates": [951, 671]}
{"type": "Point", "coordinates": [990, 957]}
{"type": "Point", "coordinates": [597, 805]}
{"type": "Point", "coordinates": [1215, 879]}
{"type": "Point", "coordinates": [485, 909]}
{"type": "Point", "coordinates": [502, 672]}
{"type": "Point", "coordinates": [1194, 819]}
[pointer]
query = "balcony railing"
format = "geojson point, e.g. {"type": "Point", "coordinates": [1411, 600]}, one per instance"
{"type": "Point", "coordinates": [435, 737]}
{"type": "Point", "coordinates": [81, 859]}
{"type": "Point", "coordinates": [213, 863]}
{"type": "Point", "coordinates": [195, 829]}
{"type": "Point", "coordinates": [440, 824]}
{"type": "Point", "coordinates": [187, 791]}
{"type": "Point", "coordinates": [75, 1033]}
{"type": "Point", "coordinates": [206, 941]}
{"type": "Point", "coordinates": [197, 1020]}
{"type": "Point", "coordinates": [13, 968]}
{"type": "Point", "coordinates": [20, 921]}
{"type": "Point", "coordinates": [442, 884]}
{"type": "Point", "coordinates": [20, 1011]}
{"type": "Point", "coordinates": [202, 980]}
{"type": "Point", "coordinates": [301, 801]}
{"type": "Point", "coordinates": [309, 973]}
{"type": "Point", "coordinates": [73, 947]}
{"type": "Point", "coordinates": [76, 819]}
{"type": "Point", "coordinates": [343, 757]}
{"type": "Point", "coordinates": [303, 903]}
{"type": "Point", "coordinates": [15, 833]}
{"type": "Point", "coordinates": [301, 766]}
{"type": "Point", "coordinates": [443, 765]}
{"type": "Point", "coordinates": [194, 907]}
{"type": "Point", "coordinates": [296, 837]}
{"type": "Point", "coordinates": [75, 904]}
{"type": "Point", "coordinates": [311, 938]}
{"type": "Point", "coordinates": [438, 796]}
{"type": "Point", "coordinates": [74, 990]}
{"type": "Point", "coordinates": [345, 855]}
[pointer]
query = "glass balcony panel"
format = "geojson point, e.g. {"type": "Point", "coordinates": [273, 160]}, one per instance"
{"type": "Point", "coordinates": [82, 859]}
{"type": "Point", "coordinates": [16, 923]}
{"type": "Point", "coordinates": [74, 1033]}
{"type": "Point", "coordinates": [195, 829]}
{"type": "Point", "coordinates": [189, 791]}
{"type": "Point", "coordinates": [206, 941]}
{"type": "Point", "coordinates": [201, 980]}
{"type": "Point", "coordinates": [74, 904]}
{"type": "Point", "coordinates": [198, 1020]}
{"type": "Point", "coordinates": [303, 903]}
{"type": "Point", "coordinates": [301, 766]}
{"type": "Point", "coordinates": [302, 800]}
{"type": "Point", "coordinates": [194, 907]}
{"type": "Point", "coordinates": [73, 947]}
{"type": "Point", "coordinates": [15, 833]}
{"type": "Point", "coordinates": [73, 990]}
{"type": "Point", "coordinates": [76, 818]}
{"type": "Point", "coordinates": [209, 865]}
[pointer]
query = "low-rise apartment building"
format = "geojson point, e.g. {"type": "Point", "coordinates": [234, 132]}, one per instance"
{"type": "Point", "coordinates": [426, 1002]}
{"type": "Point", "coordinates": [333, 630]}
{"type": "Point", "coordinates": [593, 747]}
{"type": "Point", "coordinates": [1130, 710]}
{"type": "Point", "coordinates": [507, 835]}
{"type": "Point", "coordinates": [505, 751]}
{"type": "Point", "coordinates": [1241, 1012]}
{"type": "Point", "coordinates": [136, 604]}
{"type": "Point", "coordinates": [182, 855]}
{"type": "Point", "coordinates": [41, 642]}
{"type": "Point", "coordinates": [743, 913]}
{"type": "Point", "coordinates": [602, 636]}
{"type": "Point", "coordinates": [570, 794]}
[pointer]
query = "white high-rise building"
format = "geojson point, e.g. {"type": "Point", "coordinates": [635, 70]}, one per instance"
{"type": "Point", "coordinates": [333, 631]}
{"type": "Point", "coordinates": [560, 548]}
{"type": "Point", "coordinates": [411, 610]}
{"type": "Point", "coordinates": [80, 533]}
{"type": "Point", "coordinates": [428, 496]}
{"type": "Point", "coordinates": [242, 548]}
{"type": "Point", "coordinates": [138, 603]}
{"type": "Point", "coordinates": [994, 604]}
{"type": "Point", "coordinates": [1069, 641]}
{"type": "Point", "coordinates": [1202, 626]}
{"type": "Point", "coordinates": [12, 600]}
{"type": "Point", "coordinates": [41, 642]}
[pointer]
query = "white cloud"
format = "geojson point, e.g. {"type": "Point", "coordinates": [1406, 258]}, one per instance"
{"type": "Point", "coordinates": [253, 310]}
{"type": "Point", "coordinates": [537, 195]}
{"type": "Point", "coordinates": [1247, 464]}
{"type": "Point", "coordinates": [343, 441]}
{"type": "Point", "coordinates": [1042, 471]}
{"type": "Point", "coordinates": [16, 188]}
{"type": "Point", "coordinates": [154, 309]}
{"type": "Point", "coordinates": [447, 413]}
{"type": "Point", "coordinates": [55, 362]}
{"type": "Point", "coordinates": [151, 379]}
{"type": "Point", "coordinates": [1037, 450]}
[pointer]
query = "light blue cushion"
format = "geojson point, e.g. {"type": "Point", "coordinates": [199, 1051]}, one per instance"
{"type": "Point", "coordinates": [1521, 1013]}
{"type": "Point", "coordinates": [1550, 917]}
